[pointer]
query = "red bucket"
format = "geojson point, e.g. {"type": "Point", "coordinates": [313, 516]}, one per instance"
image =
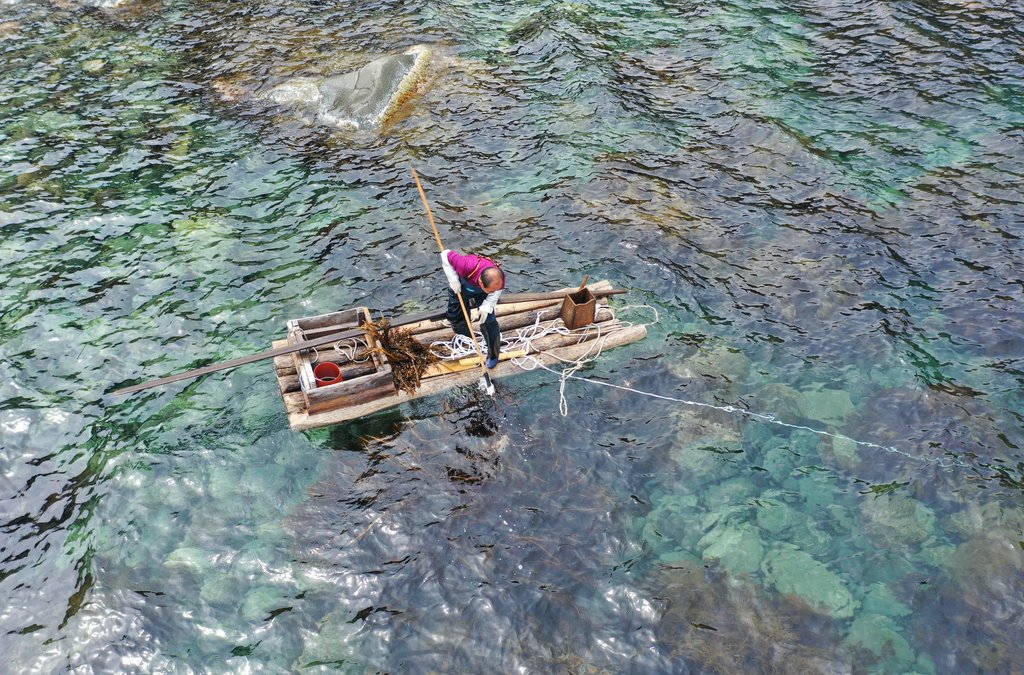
{"type": "Point", "coordinates": [327, 373]}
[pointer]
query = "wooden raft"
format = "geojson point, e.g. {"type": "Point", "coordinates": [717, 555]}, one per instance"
{"type": "Point", "coordinates": [367, 386]}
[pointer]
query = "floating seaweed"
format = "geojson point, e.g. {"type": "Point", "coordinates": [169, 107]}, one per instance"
{"type": "Point", "coordinates": [409, 358]}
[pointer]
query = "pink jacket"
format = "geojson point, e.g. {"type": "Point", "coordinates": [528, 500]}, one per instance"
{"type": "Point", "coordinates": [469, 266]}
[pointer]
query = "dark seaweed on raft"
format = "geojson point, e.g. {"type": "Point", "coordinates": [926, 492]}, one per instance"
{"type": "Point", "coordinates": [409, 358]}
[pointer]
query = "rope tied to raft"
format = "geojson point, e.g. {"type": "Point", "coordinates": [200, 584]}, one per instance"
{"type": "Point", "coordinates": [523, 339]}
{"type": "Point", "coordinates": [604, 330]}
{"type": "Point", "coordinates": [461, 346]}
{"type": "Point", "coordinates": [573, 366]}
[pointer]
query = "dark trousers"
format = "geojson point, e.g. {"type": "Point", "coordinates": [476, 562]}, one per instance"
{"type": "Point", "coordinates": [473, 296]}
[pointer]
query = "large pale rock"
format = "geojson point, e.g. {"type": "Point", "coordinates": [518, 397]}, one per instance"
{"type": "Point", "coordinates": [189, 558]}
{"type": "Point", "coordinates": [361, 99]}
{"type": "Point", "coordinates": [792, 571]}
{"type": "Point", "coordinates": [739, 549]}
{"type": "Point", "coordinates": [880, 636]}
{"type": "Point", "coordinates": [896, 520]}
{"type": "Point", "coordinates": [830, 406]}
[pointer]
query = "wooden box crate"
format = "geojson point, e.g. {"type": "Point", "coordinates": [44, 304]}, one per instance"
{"type": "Point", "coordinates": [350, 391]}
{"type": "Point", "coordinates": [578, 309]}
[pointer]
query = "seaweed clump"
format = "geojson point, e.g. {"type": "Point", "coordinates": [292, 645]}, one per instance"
{"type": "Point", "coordinates": [408, 357]}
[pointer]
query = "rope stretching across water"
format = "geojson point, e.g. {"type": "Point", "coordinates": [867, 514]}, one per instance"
{"type": "Point", "coordinates": [461, 347]}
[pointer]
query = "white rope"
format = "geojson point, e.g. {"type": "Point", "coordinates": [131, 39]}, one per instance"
{"type": "Point", "coordinates": [461, 347]}
{"type": "Point", "coordinates": [765, 417]}
{"type": "Point", "coordinates": [347, 349]}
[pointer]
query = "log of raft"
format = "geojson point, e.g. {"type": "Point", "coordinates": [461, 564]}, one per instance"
{"type": "Point", "coordinates": [308, 410]}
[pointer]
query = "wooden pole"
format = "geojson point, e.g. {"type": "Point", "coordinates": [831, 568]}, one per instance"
{"type": "Point", "coordinates": [440, 247]}
{"type": "Point", "coordinates": [251, 358]}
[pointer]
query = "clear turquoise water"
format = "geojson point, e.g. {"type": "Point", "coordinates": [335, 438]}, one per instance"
{"type": "Point", "coordinates": [822, 200]}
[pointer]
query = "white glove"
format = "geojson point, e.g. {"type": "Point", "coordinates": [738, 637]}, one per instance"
{"type": "Point", "coordinates": [449, 271]}
{"type": "Point", "coordinates": [487, 306]}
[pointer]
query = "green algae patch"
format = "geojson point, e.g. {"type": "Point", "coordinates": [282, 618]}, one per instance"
{"type": "Point", "coordinates": [794, 572]}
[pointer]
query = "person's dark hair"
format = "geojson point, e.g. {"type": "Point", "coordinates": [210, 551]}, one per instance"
{"type": "Point", "coordinates": [492, 274]}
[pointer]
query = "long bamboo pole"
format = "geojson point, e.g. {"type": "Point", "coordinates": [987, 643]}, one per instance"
{"type": "Point", "coordinates": [280, 351]}
{"type": "Point", "coordinates": [486, 379]}
{"type": "Point", "coordinates": [328, 339]}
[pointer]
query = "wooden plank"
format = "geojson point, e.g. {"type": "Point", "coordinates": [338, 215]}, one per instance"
{"type": "Point", "coordinates": [340, 320]}
{"type": "Point", "coordinates": [507, 305]}
{"type": "Point", "coordinates": [360, 396]}
{"type": "Point", "coordinates": [294, 403]}
{"type": "Point", "coordinates": [300, 420]}
{"type": "Point", "coordinates": [528, 297]}
{"type": "Point", "coordinates": [509, 323]}
{"type": "Point", "coordinates": [447, 367]}
{"type": "Point", "coordinates": [500, 311]}
{"type": "Point", "coordinates": [314, 397]}
{"type": "Point", "coordinates": [300, 359]}
{"type": "Point", "coordinates": [327, 330]}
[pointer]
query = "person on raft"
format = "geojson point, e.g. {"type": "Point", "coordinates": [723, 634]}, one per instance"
{"type": "Point", "coordinates": [480, 281]}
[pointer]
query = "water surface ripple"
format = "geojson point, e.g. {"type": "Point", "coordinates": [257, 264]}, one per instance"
{"type": "Point", "coordinates": [821, 199]}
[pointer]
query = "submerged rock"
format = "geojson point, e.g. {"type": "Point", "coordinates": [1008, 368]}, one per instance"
{"type": "Point", "coordinates": [776, 517]}
{"type": "Point", "coordinates": [879, 636]}
{"type": "Point", "coordinates": [261, 601]}
{"type": "Point", "coordinates": [831, 406]}
{"type": "Point", "coordinates": [880, 599]}
{"type": "Point", "coordinates": [672, 524]}
{"type": "Point", "coordinates": [896, 520]}
{"type": "Point", "coordinates": [361, 99]}
{"type": "Point", "coordinates": [795, 572]}
{"type": "Point", "coordinates": [739, 549]}
{"type": "Point", "coordinates": [9, 28]}
{"type": "Point", "coordinates": [190, 558]}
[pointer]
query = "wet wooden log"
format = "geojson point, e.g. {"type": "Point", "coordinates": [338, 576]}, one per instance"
{"type": "Point", "coordinates": [344, 394]}
{"type": "Point", "coordinates": [289, 383]}
{"type": "Point", "coordinates": [507, 308]}
{"type": "Point", "coordinates": [508, 323]}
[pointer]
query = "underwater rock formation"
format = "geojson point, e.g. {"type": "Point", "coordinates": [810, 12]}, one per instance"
{"type": "Point", "coordinates": [360, 99]}
{"type": "Point", "coordinates": [897, 521]}
{"type": "Point", "coordinates": [792, 571]}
